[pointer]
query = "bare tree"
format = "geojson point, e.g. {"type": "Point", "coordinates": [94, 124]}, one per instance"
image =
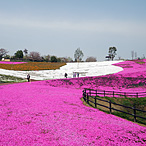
{"type": "Point", "coordinates": [3, 52]}
{"type": "Point", "coordinates": [35, 56]}
{"type": "Point", "coordinates": [78, 55]}
{"type": "Point", "coordinates": [91, 59]}
{"type": "Point", "coordinates": [112, 52]}
{"type": "Point", "coordinates": [25, 51]}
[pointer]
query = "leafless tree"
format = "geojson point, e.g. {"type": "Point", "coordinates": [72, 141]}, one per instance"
{"type": "Point", "coordinates": [3, 52]}
{"type": "Point", "coordinates": [91, 59]}
{"type": "Point", "coordinates": [35, 56]}
{"type": "Point", "coordinates": [25, 51]}
{"type": "Point", "coordinates": [78, 55]}
{"type": "Point", "coordinates": [112, 52]}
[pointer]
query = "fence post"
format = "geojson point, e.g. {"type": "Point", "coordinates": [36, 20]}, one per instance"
{"type": "Point", "coordinates": [95, 102]}
{"type": "Point", "coordinates": [104, 93]}
{"type": "Point", "coordinates": [134, 111]}
{"type": "Point", "coordinates": [113, 93]}
{"type": "Point", "coordinates": [84, 89]}
{"type": "Point", "coordinates": [84, 95]}
{"type": "Point", "coordinates": [125, 94]}
{"type": "Point", "coordinates": [110, 107]}
{"type": "Point", "coordinates": [137, 95]}
{"type": "Point", "coordinates": [90, 92]}
{"type": "Point", "coordinates": [87, 98]}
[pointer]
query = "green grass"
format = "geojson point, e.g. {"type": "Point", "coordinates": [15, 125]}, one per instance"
{"type": "Point", "coordinates": [140, 103]}
{"type": "Point", "coordinates": [140, 62]}
{"type": "Point", "coordinates": [10, 79]}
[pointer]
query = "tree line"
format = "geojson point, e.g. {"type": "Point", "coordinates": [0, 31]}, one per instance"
{"type": "Point", "coordinates": [23, 55]}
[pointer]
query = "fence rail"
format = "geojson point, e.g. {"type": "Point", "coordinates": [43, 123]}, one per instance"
{"type": "Point", "coordinates": [104, 93]}
{"type": "Point", "coordinates": [93, 94]}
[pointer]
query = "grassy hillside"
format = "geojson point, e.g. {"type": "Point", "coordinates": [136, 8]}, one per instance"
{"type": "Point", "coordinates": [10, 79]}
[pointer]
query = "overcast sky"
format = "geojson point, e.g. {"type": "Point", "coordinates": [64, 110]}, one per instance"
{"type": "Point", "coordinates": [59, 27]}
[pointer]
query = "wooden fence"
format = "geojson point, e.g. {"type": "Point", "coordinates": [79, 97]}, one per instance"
{"type": "Point", "coordinates": [104, 93]}
{"type": "Point", "coordinates": [93, 94]}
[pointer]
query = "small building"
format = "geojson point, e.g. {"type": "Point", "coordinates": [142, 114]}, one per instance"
{"type": "Point", "coordinates": [3, 59]}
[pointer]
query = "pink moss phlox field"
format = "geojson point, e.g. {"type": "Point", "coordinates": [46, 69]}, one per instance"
{"type": "Point", "coordinates": [133, 68]}
{"type": "Point", "coordinates": [132, 78]}
{"type": "Point", "coordinates": [6, 62]}
{"type": "Point", "coordinates": [50, 113]}
{"type": "Point", "coordinates": [38, 114]}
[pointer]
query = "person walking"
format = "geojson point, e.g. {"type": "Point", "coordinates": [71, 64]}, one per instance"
{"type": "Point", "coordinates": [78, 74]}
{"type": "Point", "coordinates": [65, 75]}
{"type": "Point", "coordinates": [74, 74]}
{"type": "Point", "coordinates": [28, 77]}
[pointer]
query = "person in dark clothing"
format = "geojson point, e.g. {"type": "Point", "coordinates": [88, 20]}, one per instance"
{"type": "Point", "coordinates": [78, 74]}
{"type": "Point", "coordinates": [65, 75]}
{"type": "Point", "coordinates": [28, 78]}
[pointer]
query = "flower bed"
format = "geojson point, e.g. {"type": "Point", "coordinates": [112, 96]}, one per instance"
{"type": "Point", "coordinates": [31, 66]}
{"type": "Point", "coordinates": [136, 68]}
{"type": "Point", "coordinates": [5, 62]}
{"type": "Point", "coordinates": [130, 79]}
{"type": "Point", "coordinates": [51, 113]}
{"type": "Point", "coordinates": [38, 114]}
{"type": "Point", "coordinates": [109, 82]}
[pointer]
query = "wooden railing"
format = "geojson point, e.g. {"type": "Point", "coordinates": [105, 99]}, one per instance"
{"type": "Point", "coordinates": [104, 93]}
{"type": "Point", "coordinates": [91, 96]}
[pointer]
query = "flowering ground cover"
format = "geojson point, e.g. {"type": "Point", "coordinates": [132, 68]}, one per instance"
{"type": "Point", "coordinates": [84, 69]}
{"type": "Point", "coordinates": [131, 78]}
{"type": "Point", "coordinates": [136, 68]}
{"type": "Point", "coordinates": [23, 66]}
{"type": "Point", "coordinates": [51, 113]}
{"type": "Point", "coordinates": [8, 62]}
{"type": "Point", "coordinates": [39, 114]}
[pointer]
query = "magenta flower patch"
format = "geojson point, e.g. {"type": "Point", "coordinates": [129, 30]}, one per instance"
{"type": "Point", "coordinates": [5, 62]}
{"type": "Point", "coordinates": [51, 113]}
{"type": "Point", "coordinates": [132, 79]}
{"type": "Point", "coordinates": [38, 114]}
